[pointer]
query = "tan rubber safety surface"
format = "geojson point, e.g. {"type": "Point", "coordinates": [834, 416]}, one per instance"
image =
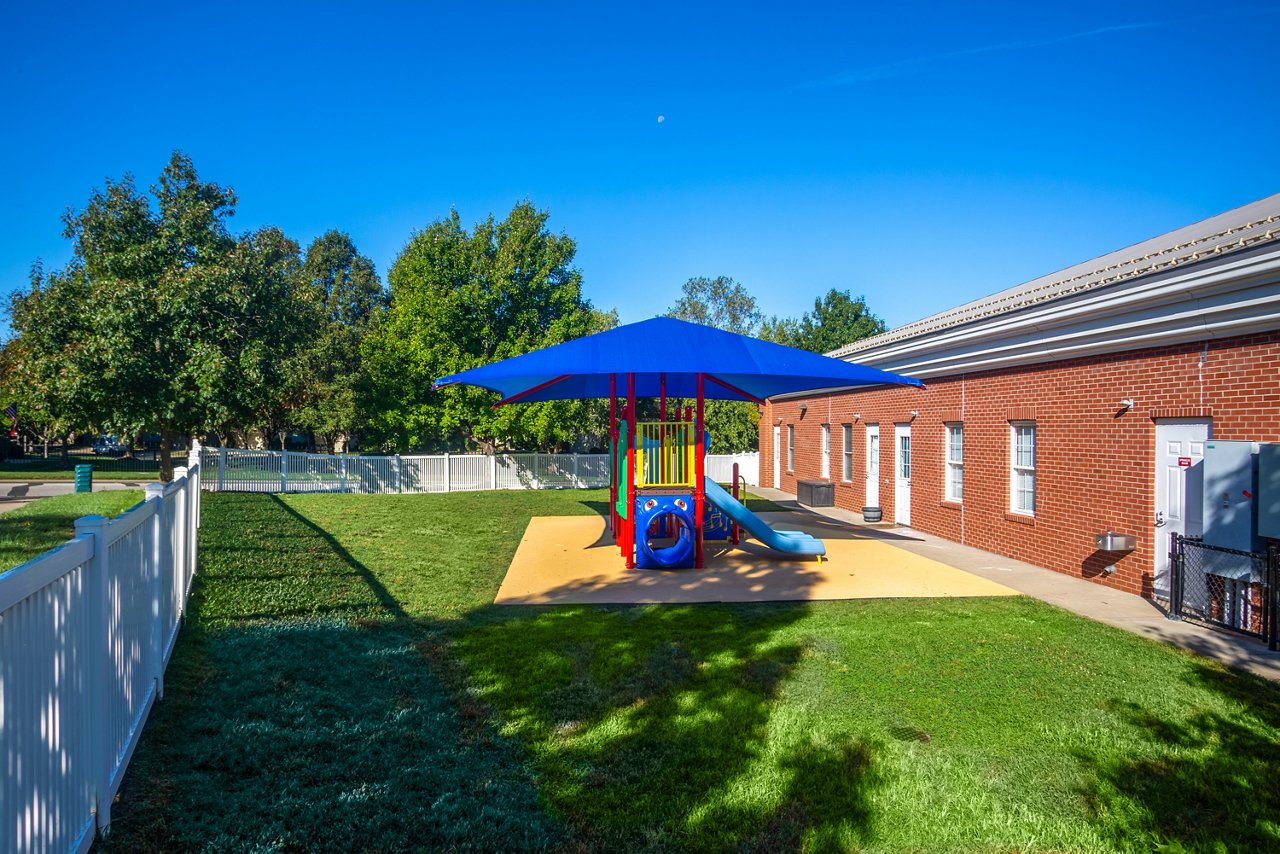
{"type": "Point", "coordinates": [572, 559]}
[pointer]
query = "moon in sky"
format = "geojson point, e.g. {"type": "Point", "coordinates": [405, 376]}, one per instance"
{"type": "Point", "coordinates": [661, 119]}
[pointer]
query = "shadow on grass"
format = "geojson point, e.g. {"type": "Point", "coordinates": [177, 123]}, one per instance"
{"type": "Point", "coordinates": [1209, 782]}
{"type": "Point", "coordinates": [651, 726]}
{"type": "Point", "coordinates": [324, 732]}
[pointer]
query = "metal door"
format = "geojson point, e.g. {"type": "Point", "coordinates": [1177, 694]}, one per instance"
{"type": "Point", "coordinates": [1179, 489]}
{"type": "Point", "coordinates": [902, 474]}
{"type": "Point", "coordinates": [873, 465]}
{"type": "Point", "coordinates": [777, 457]}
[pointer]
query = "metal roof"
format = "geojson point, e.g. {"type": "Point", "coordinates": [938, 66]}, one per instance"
{"type": "Point", "coordinates": [1243, 227]}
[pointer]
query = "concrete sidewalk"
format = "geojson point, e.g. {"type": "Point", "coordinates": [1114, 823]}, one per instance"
{"type": "Point", "coordinates": [1123, 610]}
{"type": "Point", "coordinates": [15, 494]}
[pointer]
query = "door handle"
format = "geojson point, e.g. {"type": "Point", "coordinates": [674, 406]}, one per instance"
{"type": "Point", "coordinates": [1159, 518]}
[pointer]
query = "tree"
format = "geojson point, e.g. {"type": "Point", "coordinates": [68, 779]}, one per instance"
{"type": "Point", "coordinates": [163, 321]}
{"type": "Point", "coordinates": [723, 303]}
{"type": "Point", "coordinates": [837, 319]}
{"type": "Point", "coordinates": [347, 301]}
{"type": "Point", "coordinates": [462, 299]}
{"type": "Point", "coordinates": [720, 302]}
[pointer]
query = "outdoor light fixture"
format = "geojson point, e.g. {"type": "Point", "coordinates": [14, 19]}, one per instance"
{"type": "Point", "coordinates": [857, 417]}
{"type": "Point", "coordinates": [1127, 403]}
{"type": "Point", "coordinates": [915, 413]}
{"type": "Point", "coordinates": [804, 407]}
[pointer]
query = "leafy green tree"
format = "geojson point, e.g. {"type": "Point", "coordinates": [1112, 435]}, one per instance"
{"type": "Point", "coordinates": [720, 302]}
{"type": "Point", "coordinates": [837, 319]}
{"type": "Point", "coordinates": [347, 300]}
{"type": "Point", "coordinates": [723, 303]}
{"type": "Point", "coordinates": [163, 321]}
{"type": "Point", "coordinates": [463, 299]}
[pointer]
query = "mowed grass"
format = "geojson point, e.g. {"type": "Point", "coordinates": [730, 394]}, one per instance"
{"type": "Point", "coordinates": [344, 683]}
{"type": "Point", "coordinates": [49, 522]}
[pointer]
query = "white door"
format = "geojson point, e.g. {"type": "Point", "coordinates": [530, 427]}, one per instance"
{"type": "Point", "coordinates": [873, 465]}
{"type": "Point", "coordinates": [902, 474]}
{"type": "Point", "coordinates": [777, 457]}
{"type": "Point", "coordinates": [1179, 487]}
{"type": "Point", "coordinates": [826, 452]}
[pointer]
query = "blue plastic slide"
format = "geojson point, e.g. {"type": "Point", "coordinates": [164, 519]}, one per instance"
{"type": "Point", "coordinates": [792, 542]}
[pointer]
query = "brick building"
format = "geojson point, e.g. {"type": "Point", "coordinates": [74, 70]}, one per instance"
{"type": "Point", "coordinates": [1071, 405]}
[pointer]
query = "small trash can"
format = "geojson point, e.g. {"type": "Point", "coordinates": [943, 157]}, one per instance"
{"type": "Point", "coordinates": [84, 478]}
{"type": "Point", "coordinates": [871, 514]}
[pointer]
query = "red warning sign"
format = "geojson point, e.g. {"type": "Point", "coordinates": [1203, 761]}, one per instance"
{"type": "Point", "coordinates": [1185, 462]}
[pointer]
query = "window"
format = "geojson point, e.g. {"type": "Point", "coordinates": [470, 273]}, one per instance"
{"type": "Point", "coordinates": [955, 463]}
{"type": "Point", "coordinates": [846, 472]}
{"type": "Point", "coordinates": [826, 451]}
{"type": "Point", "coordinates": [1022, 483]}
{"type": "Point", "coordinates": [904, 456]}
{"type": "Point", "coordinates": [791, 447]}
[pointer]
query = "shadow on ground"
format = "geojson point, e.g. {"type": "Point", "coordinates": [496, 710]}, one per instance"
{"type": "Point", "coordinates": [1208, 777]}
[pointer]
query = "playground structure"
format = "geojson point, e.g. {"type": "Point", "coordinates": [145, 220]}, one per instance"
{"type": "Point", "coordinates": [659, 489]}
{"type": "Point", "coordinates": [663, 508]}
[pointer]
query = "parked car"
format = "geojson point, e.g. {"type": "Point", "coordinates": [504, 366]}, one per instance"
{"type": "Point", "coordinates": [108, 446]}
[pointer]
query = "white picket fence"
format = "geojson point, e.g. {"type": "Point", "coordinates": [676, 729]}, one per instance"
{"type": "Point", "coordinates": [237, 470]}
{"type": "Point", "coordinates": [86, 631]}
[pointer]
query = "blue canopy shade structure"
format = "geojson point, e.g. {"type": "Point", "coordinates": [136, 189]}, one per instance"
{"type": "Point", "coordinates": [735, 367]}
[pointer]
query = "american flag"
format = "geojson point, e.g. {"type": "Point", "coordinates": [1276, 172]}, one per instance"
{"type": "Point", "coordinates": [12, 411]}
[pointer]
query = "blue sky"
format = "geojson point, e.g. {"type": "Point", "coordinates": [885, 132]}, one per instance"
{"type": "Point", "coordinates": [923, 155]}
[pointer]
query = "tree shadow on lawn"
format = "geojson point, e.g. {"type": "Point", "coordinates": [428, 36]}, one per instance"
{"type": "Point", "coordinates": [651, 726]}
{"type": "Point", "coordinates": [325, 732]}
{"type": "Point", "coordinates": [1209, 782]}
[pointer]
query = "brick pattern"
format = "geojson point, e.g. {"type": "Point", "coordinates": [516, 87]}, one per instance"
{"type": "Point", "coordinates": [1095, 463]}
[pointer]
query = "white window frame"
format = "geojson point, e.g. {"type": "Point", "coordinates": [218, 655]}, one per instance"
{"type": "Point", "coordinates": [953, 479]}
{"type": "Point", "coordinates": [846, 452]}
{"type": "Point", "coordinates": [791, 447]}
{"type": "Point", "coordinates": [1017, 494]}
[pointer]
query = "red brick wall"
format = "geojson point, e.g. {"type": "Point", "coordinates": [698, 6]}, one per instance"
{"type": "Point", "coordinates": [1095, 466]}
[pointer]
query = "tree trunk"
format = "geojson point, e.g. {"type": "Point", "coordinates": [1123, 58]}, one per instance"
{"type": "Point", "coordinates": [166, 456]}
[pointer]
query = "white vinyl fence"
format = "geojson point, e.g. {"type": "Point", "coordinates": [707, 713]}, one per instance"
{"type": "Point", "coordinates": [86, 631]}
{"type": "Point", "coordinates": [236, 470]}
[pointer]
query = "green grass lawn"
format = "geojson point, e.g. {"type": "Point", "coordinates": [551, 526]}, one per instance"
{"type": "Point", "coordinates": [344, 683]}
{"type": "Point", "coordinates": [49, 522]}
{"type": "Point", "coordinates": [104, 468]}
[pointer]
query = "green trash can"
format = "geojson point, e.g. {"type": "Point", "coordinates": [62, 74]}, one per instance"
{"type": "Point", "coordinates": [84, 478]}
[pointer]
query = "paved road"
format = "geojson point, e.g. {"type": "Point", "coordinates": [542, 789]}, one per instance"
{"type": "Point", "coordinates": [15, 494]}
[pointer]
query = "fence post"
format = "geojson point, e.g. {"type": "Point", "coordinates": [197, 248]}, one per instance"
{"type": "Point", "coordinates": [399, 479]}
{"type": "Point", "coordinates": [154, 493]}
{"type": "Point", "coordinates": [1273, 564]}
{"type": "Point", "coordinates": [577, 482]}
{"type": "Point", "coordinates": [181, 552]}
{"type": "Point", "coordinates": [536, 483]}
{"type": "Point", "coordinates": [222, 468]}
{"type": "Point", "coordinates": [1175, 576]}
{"type": "Point", "coordinates": [343, 470]}
{"type": "Point", "coordinates": [99, 664]}
{"type": "Point", "coordinates": [448, 474]}
{"type": "Point", "coordinates": [493, 471]}
{"type": "Point", "coordinates": [284, 471]}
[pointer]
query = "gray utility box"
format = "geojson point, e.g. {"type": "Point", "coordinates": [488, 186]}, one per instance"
{"type": "Point", "coordinates": [1269, 490]}
{"type": "Point", "coordinates": [1230, 495]}
{"type": "Point", "coordinates": [816, 493]}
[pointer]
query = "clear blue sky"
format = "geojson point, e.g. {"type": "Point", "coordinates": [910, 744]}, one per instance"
{"type": "Point", "coordinates": [923, 155]}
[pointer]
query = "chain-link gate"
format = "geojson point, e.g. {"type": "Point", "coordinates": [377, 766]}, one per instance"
{"type": "Point", "coordinates": [1226, 587]}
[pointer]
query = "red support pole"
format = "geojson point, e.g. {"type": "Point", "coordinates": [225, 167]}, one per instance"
{"type": "Point", "coordinates": [630, 527]}
{"type": "Point", "coordinates": [662, 398]}
{"type": "Point", "coordinates": [699, 487]}
{"type": "Point", "coordinates": [613, 458]}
